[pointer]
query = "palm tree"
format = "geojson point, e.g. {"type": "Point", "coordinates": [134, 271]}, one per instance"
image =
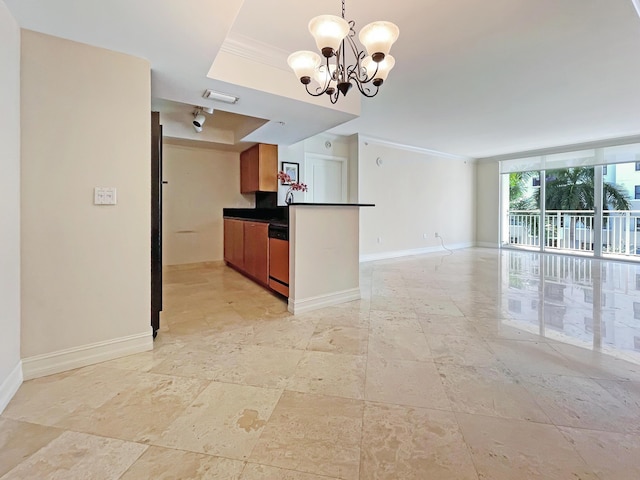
{"type": "Point", "coordinates": [574, 189]}
{"type": "Point", "coordinates": [518, 190]}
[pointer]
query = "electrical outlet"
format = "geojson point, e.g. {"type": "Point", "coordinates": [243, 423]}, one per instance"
{"type": "Point", "coordinates": [437, 235]}
{"type": "Point", "coordinates": [424, 235]}
{"type": "Point", "coordinates": [379, 239]}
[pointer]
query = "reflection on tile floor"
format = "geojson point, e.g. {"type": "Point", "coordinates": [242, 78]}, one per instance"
{"type": "Point", "coordinates": [481, 364]}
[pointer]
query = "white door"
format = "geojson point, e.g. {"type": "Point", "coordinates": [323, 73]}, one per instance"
{"type": "Point", "coordinates": [327, 178]}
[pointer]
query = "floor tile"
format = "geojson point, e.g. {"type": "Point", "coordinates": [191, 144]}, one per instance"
{"type": "Point", "coordinates": [507, 449]}
{"type": "Point", "coordinates": [489, 391]}
{"type": "Point", "coordinates": [313, 434]}
{"type": "Point", "coordinates": [49, 400]}
{"type": "Point", "coordinates": [612, 456]}
{"type": "Point", "coordinates": [164, 464]}
{"type": "Point", "coordinates": [398, 342]}
{"type": "Point", "coordinates": [348, 317]}
{"type": "Point", "coordinates": [253, 471]}
{"type": "Point", "coordinates": [139, 411]}
{"type": "Point", "coordinates": [447, 325]}
{"type": "Point", "coordinates": [330, 374]}
{"type": "Point", "coordinates": [19, 440]}
{"type": "Point", "coordinates": [435, 306]}
{"type": "Point", "coordinates": [339, 339]}
{"type": "Point", "coordinates": [403, 306]}
{"type": "Point", "coordinates": [534, 358]}
{"type": "Point", "coordinates": [405, 320]}
{"type": "Point", "coordinates": [557, 399]}
{"type": "Point", "coordinates": [145, 361]}
{"type": "Point", "coordinates": [78, 456]}
{"type": "Point", "coordinates": [405, 382]}
{"type": "Point", "coordinates": [242, 364]}
{"type": "Point", "coordinates": [413, 444]}
{"type": "Point", "coordinates": [596, 364]}
{"type": "Point", "coordinates": [581, 402]}
{"type": "Point", "coordinates": [224, 420]}
{"type": "Point", "coordinates": [461, 350]}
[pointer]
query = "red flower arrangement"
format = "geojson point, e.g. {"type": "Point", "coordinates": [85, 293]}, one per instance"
{"type": "Point", "coordinates": [293, 186]}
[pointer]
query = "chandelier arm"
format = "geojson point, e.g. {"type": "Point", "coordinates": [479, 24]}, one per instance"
{"type": "Point", "coordinates": [315, 94]}
{"type": "Point", "coordinates": [328, 75]}
{"type": "Point", "coordinates": [366, 91]}
{"type": "Point", "coordinates": [357, 70]}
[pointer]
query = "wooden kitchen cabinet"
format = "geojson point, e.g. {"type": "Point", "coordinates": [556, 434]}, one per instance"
{"type": "Point", "coordinates": [259, 169]}
{"type": "Point", "coordinates": [256, 251]}
{"type": "Point", "coordinates": [279, 265]}
{"type": "Point", "coordinates": [234, 242]}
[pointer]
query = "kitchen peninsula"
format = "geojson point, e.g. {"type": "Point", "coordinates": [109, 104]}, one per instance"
{"type": "Point", "coordinates": [323, 254]}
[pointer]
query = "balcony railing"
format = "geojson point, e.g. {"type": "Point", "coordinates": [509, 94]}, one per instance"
{"type": "Point", "coordinates": [573, 230]}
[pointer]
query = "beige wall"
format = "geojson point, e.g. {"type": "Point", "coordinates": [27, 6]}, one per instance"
{"type": "Point", "coordinates": [10, 372]}
{"type": "Point", "coordinates": [85, 268]}
{"type": "Point", "coordinates": [201, 183]}
{"type": "Point", "coordinates": [416, 195]}
{"type": "Point", "coordinates": [488, 204]}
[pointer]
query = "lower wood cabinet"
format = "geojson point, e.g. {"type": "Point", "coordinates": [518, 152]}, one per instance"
{"type": "Point", "coordinates": [256, 251]}
{"type": "Point", "coordinates": [246, 247]}
{"type": "Point", "coordinates": [234, 242]}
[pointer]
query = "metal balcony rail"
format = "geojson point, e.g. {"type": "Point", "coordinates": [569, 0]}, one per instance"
{"type": "Point", "coordinates": [573, 230]}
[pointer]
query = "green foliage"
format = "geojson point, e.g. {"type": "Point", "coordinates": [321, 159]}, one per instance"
{"type": "Point", "coordinates": [573, 189]}
{"type": "Point", "coordinates": [518, 190]}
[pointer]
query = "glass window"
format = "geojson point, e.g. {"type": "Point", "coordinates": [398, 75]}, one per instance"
{"type": "Point", "coordinates": [637, 192]}
{"type": "Point", "coordinates": [604, 170]}
{"type": "Point", "coordinates": [637, 166]}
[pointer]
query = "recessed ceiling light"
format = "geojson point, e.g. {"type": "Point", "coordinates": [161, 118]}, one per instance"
{"type": "Point", "coordinates": [220, 97]}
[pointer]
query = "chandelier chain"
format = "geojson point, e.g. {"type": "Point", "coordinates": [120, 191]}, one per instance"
{"type": "Point", "coordinates": [342, 8]}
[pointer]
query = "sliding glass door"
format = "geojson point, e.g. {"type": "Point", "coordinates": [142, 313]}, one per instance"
{"type": "Point", "coordinates": [584, 202]}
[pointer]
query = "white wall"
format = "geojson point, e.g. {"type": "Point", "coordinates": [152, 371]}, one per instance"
{"type": "Point", "coordinates": [85, 268]}
{"type": "Point", "coordinates": [323, 268]}
{"type": "Point", "coordinates": [201, 183]}
{"type": "Point", "coordinates": [340, 147]}
{"type": "Point", "coordinates": [293, 154]}
{"type": "Point", "coordinates": [416, 195]}
{"type": "Point", "coordinates": [488, 204]}
{"type": "Point", "coordinates": [10, 368]}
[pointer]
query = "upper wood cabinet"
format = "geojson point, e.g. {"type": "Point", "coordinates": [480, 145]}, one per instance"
{"type": "Point", "coordinates": [259, 169]}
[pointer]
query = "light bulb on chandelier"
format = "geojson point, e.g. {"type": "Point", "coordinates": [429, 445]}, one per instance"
{"type": "Point", "coordinates": [332, 76]}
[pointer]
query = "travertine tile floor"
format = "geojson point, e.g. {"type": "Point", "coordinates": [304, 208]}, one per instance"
{"type": "Point", "coordinates": [481, 364]}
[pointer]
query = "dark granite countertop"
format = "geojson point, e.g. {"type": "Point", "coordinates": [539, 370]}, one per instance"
{"type": "Point", "coordinates": [277, 216]}
{"type": "Point", "coordinates": [305, 204]}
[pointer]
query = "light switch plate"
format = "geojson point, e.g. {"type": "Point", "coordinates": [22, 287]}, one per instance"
{"type": "Point", "coordinates": [104, 196]}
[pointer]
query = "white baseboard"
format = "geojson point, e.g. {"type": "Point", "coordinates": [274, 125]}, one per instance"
{"type": "Point", "coordinates": [76, 357]}
{"type": "Point", "coordinates": [10, 386]}
{"type": "Point", "coordinates": [414, 251]}
{"type": "Point", "coordinates": [322, 301]}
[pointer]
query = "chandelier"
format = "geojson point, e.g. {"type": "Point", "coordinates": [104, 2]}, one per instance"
{"type": "Point", "coordinates": [334, 37]}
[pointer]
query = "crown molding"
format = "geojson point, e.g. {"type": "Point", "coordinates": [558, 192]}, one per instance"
{"type": "Point", "coordinates": [255, 51]}
{"type": "Point", "coordinates": [427, 151]}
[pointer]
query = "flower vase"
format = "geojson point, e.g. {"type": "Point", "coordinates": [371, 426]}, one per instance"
{"type": "Point", "coordinates": [288, 197]}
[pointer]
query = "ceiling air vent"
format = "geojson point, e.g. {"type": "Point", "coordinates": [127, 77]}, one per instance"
{"type": "Point", "coordinates": [220, 97]}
